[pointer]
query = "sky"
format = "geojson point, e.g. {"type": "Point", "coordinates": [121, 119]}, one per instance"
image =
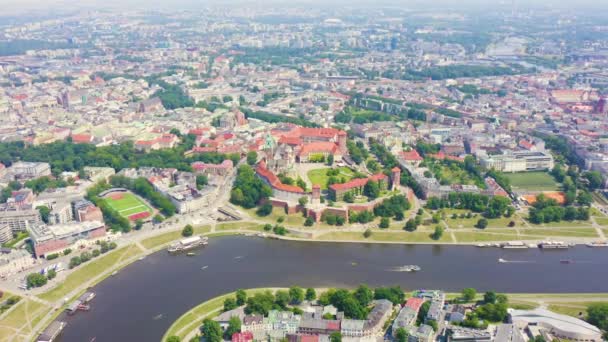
{"type": "Point", "coordinates": [12, 7]}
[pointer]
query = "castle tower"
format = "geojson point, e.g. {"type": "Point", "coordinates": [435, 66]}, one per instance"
{"type": "Point", "coordinates": [316, 195]}
{"type": "Point", "coordinates": [395, 178]}
{"type": "Point", "coordinates": [342, 142]}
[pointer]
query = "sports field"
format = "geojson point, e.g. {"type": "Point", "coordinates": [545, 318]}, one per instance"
{"type": "Point", "coordinates": [532, 181]}
{"type": "Point", "coordinates": [128, 205]}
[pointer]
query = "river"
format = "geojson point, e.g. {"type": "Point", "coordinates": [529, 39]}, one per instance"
{"type": "Point", "coordinates": [128, 305]}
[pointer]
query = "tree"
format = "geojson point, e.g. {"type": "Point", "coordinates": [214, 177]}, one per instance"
{"type": "Point", "coordinates": [348, 197]}
{"type": "Point", "coordinates": [201, 181]}
{"type": "Point", "coordinates": [371, 190]}
{"type": "Point", "coordinates": [311, 294]}
{"type": "Point", "coordinates": [423, 311]}
{"type": "Point", "coordinates": [394, 294]}
{"type": "Point", "coordinates": [367, 233]}
{"type": "Point", "coordinates": [335, 337]}
{"type": "Point", "coordinates": [597, 314]}
{"type": "Point", "coordinates": [230, 304]}
{"type": "Point", "coordinates": [260, 303]}
{"type": "Point", "coordinates": [44, 213]}
{"type": "Point", "coordinates": [264, 210]}
{"type": "Point", "coordinates": [296, 294]}
{"type": "Point", "coordinates": [482, 223]}
{"type": "Point", "coordinates": [174, 339]}
{"type": "Point", "coordinates": [138, 224]}
{"type": "Point", "coordinates": [282, 298]}
{"type": "Point", "coordinates": [410, 225]}
{"type": "Point", "coordinates": [364, 295]}
{"type": "Point", "coordinates": [489, 297]}
{"type": "Point", "coordinates": [187, 231]}
{"type": "Point", "coordinates": [330, 159]}
{"type": "Point", "coordinates": [384, 222]}
{"type": "Point", "coordinates": [234, 326]}
{"type": "Point", "coordinates": [211, 330]}
{"type": "Point", "coordinates": [252, 157]}
{"type": "Point", "coordinates": [401, 335]}
{"type": "Point", "coordinates": [241, 297]}
{"type": "Point", "coordinates": [438, 233]}
{"type": "Point", "coordinates": [309, 221]}
{"type": "Point", "coordinates": [468, 294]}
{"type": "Point", "coordinates": [303, 201]}
{"type": "Point", "coordinates": [35, 280]}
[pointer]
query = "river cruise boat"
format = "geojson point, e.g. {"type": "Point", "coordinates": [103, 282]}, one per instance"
{"type": "Point", "coordinates": [553, 245]}
{"type": "Point", "coordinates": [188, 244]}
{"type": "Point", "coordinates": [597, 244]}
{"type": "Point", "coordinates": [514, 245]}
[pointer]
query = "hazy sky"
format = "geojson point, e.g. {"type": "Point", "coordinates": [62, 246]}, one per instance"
{"type": "Point", "coordinates": [10, 7]}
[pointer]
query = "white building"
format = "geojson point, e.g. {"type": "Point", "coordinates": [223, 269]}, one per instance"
{"type": "Point", "coordinates": [537, 321]}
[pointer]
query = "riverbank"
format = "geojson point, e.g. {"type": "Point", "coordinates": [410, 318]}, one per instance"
{"type": "Point", "coordinates": [187, 325]}
{"type": "Point", "coordinates": [75, 282]}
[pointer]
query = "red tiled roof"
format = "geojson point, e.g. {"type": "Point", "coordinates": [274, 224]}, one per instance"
{"type": "Point", "coordinates": [525, 144]}
{"type": "Point", "coordinates": [357, 182]}
{"type": "Point", "coordinates": [82, 138]}
{"type": "Point", "coordinates": [317, 147]}
{"type": "Point", "coordinates": [378, 177]}
{"type": "Point", "coordinates": [414, 303]}
{"type": "Point", "coordinates": [274, 181]}
{"type": "Point", "coordinates": [411, 155]}
{"type": "Point", "coordinates": [354, 183]}
{"type": "Point", "coordinates": [290, 140]}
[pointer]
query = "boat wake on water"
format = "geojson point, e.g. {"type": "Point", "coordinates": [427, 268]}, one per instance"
{"type": "Point", "coordinates": [407, 268]}
{"type": "Point", "coordinates": [503, 261]}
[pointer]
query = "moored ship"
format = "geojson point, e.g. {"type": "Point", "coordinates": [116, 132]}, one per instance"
{"type": "Point", "coordinates": [188, 244]}
{"type": "Point", "coordinates": [597, 244]}
{"type": "Point", "coordinates": [553, 245]}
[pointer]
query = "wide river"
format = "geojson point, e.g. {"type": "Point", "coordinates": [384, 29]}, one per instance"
{"type": "Point", "coordinates": [128, 306]}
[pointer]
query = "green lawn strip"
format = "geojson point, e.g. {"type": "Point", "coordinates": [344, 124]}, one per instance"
{"type": "Point", "coordinates": [385, 236]}
{"type": "Point", "coordinates": [567, 232]}
{"type": "Point", "coordinates": [602, 221]}
{"type": "Point", "coordinates": [165, 238]}
{"type": "Point", "coordinates": [240, 226]}
{"type": "Point", "coordinates": [193, 316]}
{"type": "Point", "coordinates": [20, 237]}
{"type": "Point", "coordinates": [87, 271]}
{"type": "Point", "coordinates": [18, 317]}
{"type": "Point", "coordinates": [564, 224]}
{"type": "Point", "coordinates": [532, 181]}
{"type": "Point", "coordinates": [485, 235]}
{"type": "Point", "coordinates": [571, 308]}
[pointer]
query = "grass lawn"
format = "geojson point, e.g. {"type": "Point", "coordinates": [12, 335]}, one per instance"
{"type": "Point", "coordinates": [485, 235]}
{"type": "Point", "coordinates": [165, 238]}
{"type": "Point", "coordinates": [192, 319]}
{"type": "Point", "coordinates": [24, 317]}
{"type": "Point", "coordinates": [91, 269]}
{"type": "Point", "coordinates": [319, 176]}
{"type": "Point", "coordinates": [128, 205]}
{"type": "Point", "coordinates": [569, 232]}
{"type": "Point", "coordinates": [384, 236]}
{"type": "Point", "coordinates": [20, 237]}
{"type": "Point", "coordinates": [240, 226]}
{"type": "Point", "coordinates": [296, 219]}
{"type": "Point", "coordinates": [565, 224]}
{"type": "Point", "coordinates": [532, 181]}
{"type": "Point", "coordinates": [602, 221]}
